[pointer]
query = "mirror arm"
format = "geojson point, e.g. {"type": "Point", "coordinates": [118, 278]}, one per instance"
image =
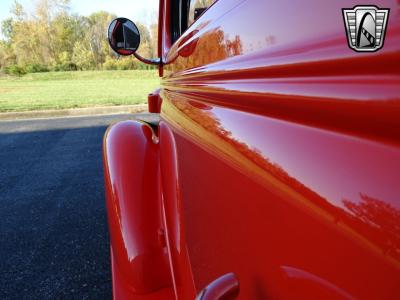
{"type": "Point", "coordinates": [153, 61]}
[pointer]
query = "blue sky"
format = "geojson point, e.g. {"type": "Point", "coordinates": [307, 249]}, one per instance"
{"type": "Point", "coordinates": [137, 10]}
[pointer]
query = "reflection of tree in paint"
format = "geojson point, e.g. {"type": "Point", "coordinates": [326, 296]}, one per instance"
{"type": "Point", "coordinates": [375, 220]}
{"type": "Point", "coordinates": [213, 46]}
{"type": "Point", "coordinates": [206, 119]}
{"type": "Point", "coordinates": [382, 218]}
{"type": "Point", "coordinates": [234, 47]}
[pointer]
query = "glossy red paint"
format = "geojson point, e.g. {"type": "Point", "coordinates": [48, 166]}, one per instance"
{"type": "Point", "coordinates": [173, 209]}
{"type": "Point", "coordinates": [287, 150]}
{"type": "Point", "coordinates": [154, 102]}
{"type": "Point", "coordinates": [131, 165]}
{"type": "Point", "coordinates": [279, 153]}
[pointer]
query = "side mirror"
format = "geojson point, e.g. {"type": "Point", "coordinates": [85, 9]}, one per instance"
{"type": "Point", "coordinates": [123, 36]}
{"type": "Point", "coordinates": [124, 39]}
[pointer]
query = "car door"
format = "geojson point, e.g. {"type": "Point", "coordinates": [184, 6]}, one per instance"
{"type": "Point", "coordinates": [280, 150]}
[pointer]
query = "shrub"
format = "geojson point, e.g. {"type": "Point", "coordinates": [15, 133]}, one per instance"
{"type": "Point", "coordinates": [83, 57]}
{"type": "Point", "coordinates": [36, 68]}
{"type": "Point", "coordinates": [68, 66]}
{"type": "Point", "coordinates": [110, 64]}
{"type": "Point", "coordinates": [126, 63]}
{"type": "Point", "coordinates": [15, 70]}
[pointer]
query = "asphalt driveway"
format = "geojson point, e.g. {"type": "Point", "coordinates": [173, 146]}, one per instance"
{"type": "Point", "coordinates": [53, 228]}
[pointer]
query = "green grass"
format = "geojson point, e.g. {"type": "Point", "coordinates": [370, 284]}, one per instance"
{"type": "Point", "coordinates": [60, 90]}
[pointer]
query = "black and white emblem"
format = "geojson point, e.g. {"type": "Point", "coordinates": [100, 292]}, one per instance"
{"type": "Point", "coordinates": [365, 27]}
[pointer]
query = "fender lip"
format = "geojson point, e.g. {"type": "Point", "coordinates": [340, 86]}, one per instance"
{"type": "Point", "coordinates": [123, 291]}
{"type": "Point", "coordinates": [140, 263]}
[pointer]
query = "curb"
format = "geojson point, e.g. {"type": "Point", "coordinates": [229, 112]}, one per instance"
{"type": "Point", "coordinates": [88, 111]}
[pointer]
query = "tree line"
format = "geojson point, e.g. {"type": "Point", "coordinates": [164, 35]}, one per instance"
{"type": "Point", "coordinates": [54, 39]}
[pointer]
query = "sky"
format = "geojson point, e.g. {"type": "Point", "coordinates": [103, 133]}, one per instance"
{"type": "Point", "coordinates": [136, 10]}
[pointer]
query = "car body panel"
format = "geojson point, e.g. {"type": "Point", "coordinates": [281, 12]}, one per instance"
{"type": "Point", "coordinates": [277, 159]}
{"type": "Point", "coordinates": [287, 146]}
{"type": "Point", "coordinates": [174, 214]}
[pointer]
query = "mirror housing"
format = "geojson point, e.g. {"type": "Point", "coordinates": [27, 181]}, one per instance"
{"type": "Point", "coordinates": [124, 39]}
{"type": "Point", "coordinates": [123, 36]}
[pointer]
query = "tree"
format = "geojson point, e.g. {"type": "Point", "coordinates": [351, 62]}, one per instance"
{"type": "Point", "coordinates": [7, 28]}
{"type": "Point", "coordinates": [7, 56]}
{"type": "Point", "coordinates": [56, 39]}
{"type": "Point", "coordinates": [49, 14]}
{"type": "Point", "coordinates": [145, 49]}
{"type": "Point", "coordinates": [67, 31]}
{"type": "Point", "coordinates": [154, 39]}
{"type": "Point", "coordinates": [18, 11]}
{"type": "Point", "coordinates": [82, 56]}
{"type": "Point", "coordinates": [96, 38]}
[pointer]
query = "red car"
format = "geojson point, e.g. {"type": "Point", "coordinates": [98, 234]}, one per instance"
{"type": "Point", "coordinates": [271, 169]}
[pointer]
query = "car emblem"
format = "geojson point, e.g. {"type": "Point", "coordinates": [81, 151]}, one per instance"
{"type": "Point", "coordinates": [365, 27]}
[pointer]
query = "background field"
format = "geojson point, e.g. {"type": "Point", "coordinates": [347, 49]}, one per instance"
{"type": "Point", "coordinates": [59, 90]}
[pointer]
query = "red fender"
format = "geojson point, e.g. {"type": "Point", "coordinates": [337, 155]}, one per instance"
{"type": "Point", "coordinates": [140, 264]}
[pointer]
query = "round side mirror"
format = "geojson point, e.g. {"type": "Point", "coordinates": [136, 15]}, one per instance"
{"type": "Point", "coordinates": [123, 36]}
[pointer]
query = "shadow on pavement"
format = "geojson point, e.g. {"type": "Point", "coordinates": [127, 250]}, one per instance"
{"type": "Point", "coordinates": [53, 227]}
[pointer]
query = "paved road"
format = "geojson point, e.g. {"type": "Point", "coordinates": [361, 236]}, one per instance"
{"type": "Point", "coordinates": [53, 230]}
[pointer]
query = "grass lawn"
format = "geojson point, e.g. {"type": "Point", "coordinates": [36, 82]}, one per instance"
{"type": "Point", "coordinates": [58, 90]}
